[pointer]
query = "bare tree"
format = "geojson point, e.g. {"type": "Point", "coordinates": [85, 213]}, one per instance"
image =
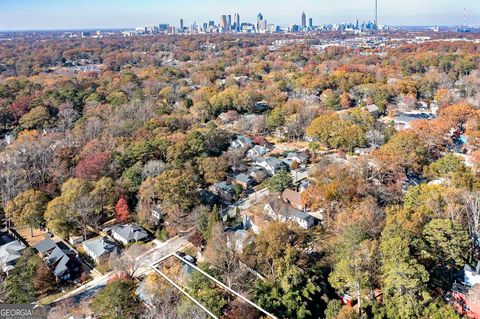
{"type": "Point", "coordinates": [86, 214]}
{"type": "Point", "coordinates": [153, 168]}
{"type": "Point", "coordinates": [472, 216]}
{"type": "Point", "coordinates": [130, 261]}
{"type": "Point", "coordinates": [61, 310]}
{"type": "Point", "coordinates": [224, 255]}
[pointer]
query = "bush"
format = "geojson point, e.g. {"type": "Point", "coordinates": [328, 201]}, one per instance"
{"type": "Point", "coordinates": [161, 234]}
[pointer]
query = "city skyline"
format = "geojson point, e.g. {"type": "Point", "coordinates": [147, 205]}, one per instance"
{"type": "Point", "coordinates": [55, 14]}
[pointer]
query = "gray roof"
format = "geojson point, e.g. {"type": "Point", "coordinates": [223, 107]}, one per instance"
{"type": "Point", "coordinates": [130, 232]}
{"type": "Point", "coordinates": [10, 252]}
{"type": "Point", "coordinates": [100, 246]}
{"type": "Point", "coordinates": [243, 178]}
{"type": "Point", "coordinates": [56, 257]}
{"type": "Point", "coordinates": [224, 186]}
{"type": "Point", "coordinates": [45, 245]}
{"type": "Point", "coordinates": [281, 208]}
{"type": "Point", "coordinates": [300, 155]}
{"type": "Point", "coordinates": [407, 118]}
{"type": "Point", "coordinates": [273, 162]}
{"type": "Point", "coordinates": [372, 108]}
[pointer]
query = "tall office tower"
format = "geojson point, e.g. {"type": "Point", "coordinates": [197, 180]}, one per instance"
{"type": "Point", "coordinates": [223, 22]}
{"type": "Point", "coordinates": [181, 25]}
{"type": "Point", "coordinates": [211, 23]}
{"type": "Point", "coordinates": [310, 23]}
{"type": "Point", "coordinates": [229, 22]}
{"type": "Point", "coordinates": [205, 26]}
{"type": "Point", "coordinates": [356, 24]}
{"type": "Point", "coordinates": [236, 20]}
{"type": "Point", "coordinates": [376, 14]}
{"type": "Point", "coordinates": [304, 20]}
{"type": "Point", "coordinates": [261, 24]}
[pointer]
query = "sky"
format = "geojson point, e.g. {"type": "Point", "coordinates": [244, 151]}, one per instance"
{"type": "Point", "coordinates": [83, 14]}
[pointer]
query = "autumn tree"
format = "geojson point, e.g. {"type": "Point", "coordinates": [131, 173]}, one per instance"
{"type": "Point", "coordinates": [92, 165]}
{"type": "Point", "coordinates": [117, 300]}
{"type": "Point", "coordinates": [81, 204]}
{"type": "Point", "coordinates": [121, 210]}
{"type": "Point", "coordinates": [403, 278]}
{"type": "Point", "coordinates": [28, 208]}
{"type": "Point", "coordinates": [447, 247]}
{"type": "Point", "coordinates": [356, 264]}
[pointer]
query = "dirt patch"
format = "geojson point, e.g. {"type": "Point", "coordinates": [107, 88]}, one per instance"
{"type": "Point", "coordinates": [32, 240]}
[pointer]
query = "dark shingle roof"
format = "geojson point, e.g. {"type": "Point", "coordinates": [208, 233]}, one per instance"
{"type": "Point", "coordinates": [45, 245]}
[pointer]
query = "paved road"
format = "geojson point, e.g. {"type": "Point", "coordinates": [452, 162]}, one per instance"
{"type": "Point", "coordinates": [161, 249]}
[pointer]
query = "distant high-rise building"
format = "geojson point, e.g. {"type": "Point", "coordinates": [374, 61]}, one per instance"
{"type": "Point", "coordinates": [304, 20]}
{"type": "Point", "coordinates": [229, 22]}
{"type": "Point", "coordinates": [162, 27]}
{"type": "Point", "coordinates": [223, 22]}
{"type": "Point", "coordinates": [261, 23]}
{"type": "Point", "coordinates": [310, 23]}
{"type": "Point", "coordinates": [181, 25]}
{"type": "Point", "coordinates": [236, 21]}
{"type": "Point", "coordinates": [376, 14]}
{"type": "Point", "coordinates": [211, 23]}
{"type": "Point", "coordinates": [205, 26]}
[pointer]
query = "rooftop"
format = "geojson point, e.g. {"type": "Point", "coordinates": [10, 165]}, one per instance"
{"type": "Point", "coordinates": [100, 246]}
{"type": "Point", "coordinates": [130, 232]}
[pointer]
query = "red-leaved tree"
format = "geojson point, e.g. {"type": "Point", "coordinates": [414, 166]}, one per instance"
{"type": "Point", "coordinates": [92, 165]}
{"type": "Point", "coordinates": [121, 210]}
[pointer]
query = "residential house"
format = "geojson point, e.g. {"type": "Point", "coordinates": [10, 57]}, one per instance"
{"type": "Point", "coordinates": [299, 157]}
{"type": "Point", "coordinates": [99, 248]}
{"type": "Point", "coordinates": [157, 214]}
{"type": "Point", "coordinates": [258, 174]}
{"type": "Point", "coordinates": [253, 221]}
{"type": "Point", "coordinates": [10, 251]}
{"type": "Point", "coordinates": [373, 110]}
{"type": "Point", "coordinates": [403, 120]}
{"type": "Point", "coordinates": [237, 238]}
{"type": "Point", "coordinates": [243, 180]}
{"type": "Point", "coordinates": [364, 150]}
{"type": "Point", "coordinates": [270, 164]}
{"type": "Point", "coordinates": [130, 233]}
{"type": "Point", "coordinates": [465, 295]}
{"type": "Point", "coordinates": [261, 107]}
{"type": "Point", "coordinates": [466, 300]}
{"type": "Point", "coordinates": [293, 198]}
{"type": "Point", "coordinates": [471, 276]}
{"type": "Point", "coordinates": [257, 150]}
{"type": "Point", "coordinates": [59, 258]}
{"type": "Point", "coordinates": [241, 142]}
{"type": "Point", "coordinates": [224, 190]}
{"type": "Point", "coordinates": [279, 210]}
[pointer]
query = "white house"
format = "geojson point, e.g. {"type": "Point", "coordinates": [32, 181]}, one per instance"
{"type": "Point", "coordinates": [279, 210]}
{"type": "Point", "coordinates": [270, 164]}
{"type": "Point", "coordinates": [129, 233]}
{"type": "Point", "coordinates": [471, 276]}
{"type": "Point", "coordinates": [241, 142]}
{"type": "Point", "coordinates": [9, 254]}
{"type": "Point", "coordinates": [99, 248]}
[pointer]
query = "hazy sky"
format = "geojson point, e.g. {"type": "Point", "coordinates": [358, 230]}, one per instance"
{"type": "Point", "coordinates": [69, 14]}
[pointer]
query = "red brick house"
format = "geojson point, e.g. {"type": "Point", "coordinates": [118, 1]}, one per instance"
{"type": "Point", "coordinates": [466, 300]}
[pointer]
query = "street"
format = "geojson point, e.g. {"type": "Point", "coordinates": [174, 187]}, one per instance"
{"type": "Point", "coordinates": [147, 258]}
